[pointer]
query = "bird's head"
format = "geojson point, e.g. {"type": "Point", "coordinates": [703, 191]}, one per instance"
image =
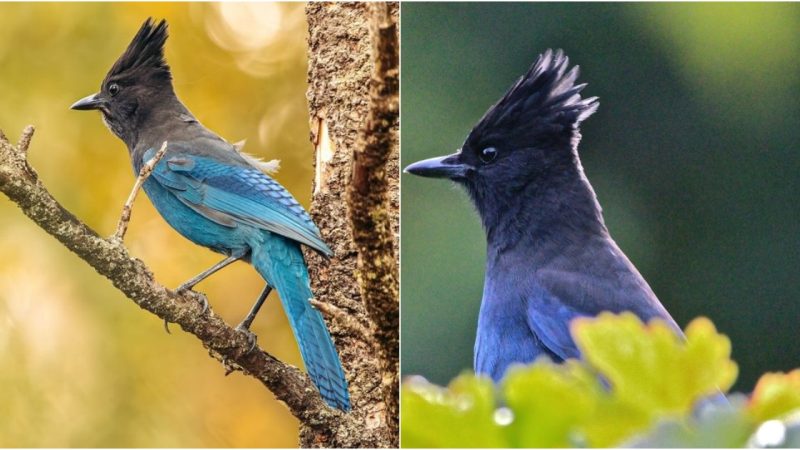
{"type": "Point", "coordinates": [136, 83]}
{"type": "Point", "coordinates": [530, 136]}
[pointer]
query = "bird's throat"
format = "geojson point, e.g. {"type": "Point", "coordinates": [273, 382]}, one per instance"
{"type": "Point", "coordinates": [535, 218]}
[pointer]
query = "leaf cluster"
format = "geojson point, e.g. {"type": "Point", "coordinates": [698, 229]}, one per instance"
{"type": "Point", "coordinates": [637, 385]}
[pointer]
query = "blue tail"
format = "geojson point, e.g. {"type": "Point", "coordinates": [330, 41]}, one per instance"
{"type": "Point", "coordinates": [280, 261]}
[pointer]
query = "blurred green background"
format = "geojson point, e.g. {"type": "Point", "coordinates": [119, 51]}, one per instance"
{"type": "Point", "coordinates": [80, 365]}
{"type": "Point", "coordinates": [693, 153]}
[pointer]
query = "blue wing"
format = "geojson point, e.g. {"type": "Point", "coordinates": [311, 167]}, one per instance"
{"type": "Point", "coordinates": [549, 318]}
{"type": "Point", "coordinates": [561, 296]}
{"type": "Point", "coordinates": [232, 194]}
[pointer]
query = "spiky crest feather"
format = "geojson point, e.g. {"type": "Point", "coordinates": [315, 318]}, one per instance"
{"type": "Point", "coordinates": [545, 102]}
{"type": "Point", "coordinates": [145, 53]}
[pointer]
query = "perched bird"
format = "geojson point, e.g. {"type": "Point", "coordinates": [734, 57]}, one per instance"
{"type": "Point", "coordinates": [550, 258]}
{"type": "Point", "coordinates": [218, 197]}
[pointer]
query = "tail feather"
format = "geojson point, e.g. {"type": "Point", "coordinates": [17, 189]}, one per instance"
{"type": "Point", "coordinates": [280, 262]}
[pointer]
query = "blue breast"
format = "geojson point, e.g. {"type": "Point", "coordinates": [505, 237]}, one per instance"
{"type": "Point", "coordinates": [504, 337]}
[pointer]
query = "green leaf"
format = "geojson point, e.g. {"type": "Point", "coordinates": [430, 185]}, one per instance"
{"type": "Point", "coordinates": [649, 366]}
{"type": "Point", "coordinates": [549, 401]}
{"type": "Point", "coordinates": [725, 426]}
{"type": "Point", "coordinates": [775, 395]}
{"type": "Point", "coordinates": [462, 415]}
{"type": "Point", "coordinates": [639, 385]}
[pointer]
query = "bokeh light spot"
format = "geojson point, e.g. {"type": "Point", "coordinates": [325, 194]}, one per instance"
{"type": "Point", "coordinates": [245, 26]}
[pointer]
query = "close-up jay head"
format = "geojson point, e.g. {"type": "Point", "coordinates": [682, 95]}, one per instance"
{"type": "Point", "coordinates": [525, 142]}
{"type": "Point", "coordinates": [692, 155]}
{"type": "Point", "coordinates": [526, 145]}
{"type": "Point", "coordinates": [139, 81]}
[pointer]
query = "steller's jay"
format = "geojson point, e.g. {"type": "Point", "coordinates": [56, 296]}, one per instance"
{"type": "Point", "coordinates": [550, 257]}
{"type": "Point", "coordinates": [218, 197]}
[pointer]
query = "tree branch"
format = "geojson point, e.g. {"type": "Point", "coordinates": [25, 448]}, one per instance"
{"type": "Point", "coordinates": [111, 259]}
{"type": "Point", "coordinates": [368, 200]}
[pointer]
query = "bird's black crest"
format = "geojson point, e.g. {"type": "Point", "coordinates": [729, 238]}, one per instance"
{"type": "Point", "coordinates": [544, 102]}
{"type": "Point", "coordinates": [145, 53]}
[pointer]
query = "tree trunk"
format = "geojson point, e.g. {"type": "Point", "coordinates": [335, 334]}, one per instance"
{"type": "Point", "coordinates": [352, 99]}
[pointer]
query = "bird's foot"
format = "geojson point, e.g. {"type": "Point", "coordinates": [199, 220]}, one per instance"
{"type": "Point", "coordinates": [203, 302]}
{"type": "Point", "coordinates": [251, 337]}
{"type": "Point", "coordinates": [187, 288]}
{"type": "Point", "coordinates": [200, 298]}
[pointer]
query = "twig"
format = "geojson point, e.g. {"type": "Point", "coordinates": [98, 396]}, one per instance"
{"type": "Point", "coordinates": [144, 173]}
{"type": "Point", "coordinates": [25, 139]}
{"type": "Point", "coordinates": [345, 320]}
{"type": "Point", "coordinates": [110, 258]}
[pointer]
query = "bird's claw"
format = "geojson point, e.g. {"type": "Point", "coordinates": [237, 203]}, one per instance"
{"type": "Point", "coordinates": [184, 288]}
{"type": "Point", "coordinates": [251, 337]}
{"type": "Point", "coordinates": [203, 302]}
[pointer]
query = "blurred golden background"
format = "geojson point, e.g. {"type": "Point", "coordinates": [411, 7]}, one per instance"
{"type": "Point", "coordinates": [80, 365]}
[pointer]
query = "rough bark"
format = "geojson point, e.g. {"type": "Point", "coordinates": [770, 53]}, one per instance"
{"type": "Point", "coordinates": [373, 175]}
{"type": "Point", "coordinates": [369, 207]}
{"type": "Point", "coordinates": [353, 115]}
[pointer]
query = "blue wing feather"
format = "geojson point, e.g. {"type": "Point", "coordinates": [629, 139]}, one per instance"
{"type": "Point", "coordinates": [561, 296]}
{"type": "Point", "coordinates": [243, 194]}
{"type": "Point", "coordinates": [548, 317]}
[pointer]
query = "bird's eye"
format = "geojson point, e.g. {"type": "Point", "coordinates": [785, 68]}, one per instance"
{"type": "Point", "coordinates": [488, 154]}
{"type": "Point", "coordinates": [113, 89]}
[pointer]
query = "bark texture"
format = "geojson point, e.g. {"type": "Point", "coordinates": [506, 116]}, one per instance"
{"type": "Point", "coordinates": [353, 87]}
{"type": "Point", "coordinates": [373, 179]}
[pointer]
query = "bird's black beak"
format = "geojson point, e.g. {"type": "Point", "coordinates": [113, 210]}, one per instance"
{"type": "Point", "coordinates": [93, 101]}
{"type": "Point", "coordinates": [448, 166]}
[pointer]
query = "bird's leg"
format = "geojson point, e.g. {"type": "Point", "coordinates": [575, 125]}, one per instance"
{"type": "Point", "coordinates": [244, 327]}
{"type": "Point", "coordinates": [215, 268]}
{"type": "Point", "coordinates": [235, 256]}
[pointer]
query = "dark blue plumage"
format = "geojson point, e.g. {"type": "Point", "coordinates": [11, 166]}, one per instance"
{"type": "Point", "coordinates": [550, 257]}
{"type": "Point", "coordinates": [218, 197]}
